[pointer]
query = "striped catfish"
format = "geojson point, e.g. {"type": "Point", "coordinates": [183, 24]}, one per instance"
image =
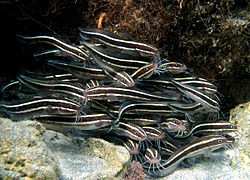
{"type": "Point", "coordinates": [107, 60]}
{"type": "Point", "coordinates": [189, 109]}
{"type": "Point", "coordinates": [172, 68]}
{"type": "Point", "coordinates": [119, 75]}
{"type": "Point", "coordinates": [79, 122]}
{"type": "Point", "coordinates": [220, 127]}
{"type": "Point", "coordinates": [55, 77]}
{"type": "Point", "coordinates": [153, 161]}
{"type": "Point", "coordinates": [58, 52]}
{"type": "Point", "coordinates": [154, 133]}
{"type": "Point", "coordinates": [145, 108]}
{"type": "Point", "coordinates": [120, 94]}
{"type": "Point", "coordinates": [86, 73]}
{"type": "Point", "coordinates": [74, 51]}
{"type": "Point", "coordinates": [51, 78]}
{"type": "Point", "coordinates": [199, 83]}
{"type": "Point", "coordinates": [67, 77]}
{"type": "Point", "coordinates": [175, 126]}
{"type": "Point", "coordinates": [195, 148]}
{"type": "Point", "coordinates": [121, 79]}
{"type": "Point", "coordinates": [144, 72]}
{"type": "Point", "coordinates": [134, 150]}
{"type": "Point", "coordinates": [186, 107]}
{"type": "Point", "coordinates": [78, 70]}
{"type": "Point", "coordinates": [115, 41]}
{"type": "Point", "coordinates": [32, 108]}
{"type": "Point", "coordinates": [140, 119]}
{"type": "Point", "coordinates": [198, 96]}
{"type": "Point", "coordinates": [165, 84]}
{"type": "Point", "coordinates": [167, 148]}
{"type": "Point", "coordinates": [132, 146]}
{"type": "Point", "coordinates": [70, 90]}
{"type": "Point", "coordinates": [131, 131]}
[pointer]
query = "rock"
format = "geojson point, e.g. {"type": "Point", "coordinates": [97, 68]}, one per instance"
{"type": "Point", "coordinates": [240, 117]}
{"type": "Point", "coordinates": [87, 158]}
{"type": "Point", "coordinates": [135, 172]}
{"type": "Point", "coordinates": [116, 157]}
{"type": "Point", "coordinates": [24, 153]}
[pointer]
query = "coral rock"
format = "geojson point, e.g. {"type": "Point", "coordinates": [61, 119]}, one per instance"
{"type": "Point", "coordinates": [240, 117]}
{"type": "Point", "coordinates": [87, 158]}
{"type": "Point", "coordinates": [24, 153]}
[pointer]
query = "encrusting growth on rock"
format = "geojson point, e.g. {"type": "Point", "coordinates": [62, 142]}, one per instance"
{"type": "Point", "coordinates": [135, 172]}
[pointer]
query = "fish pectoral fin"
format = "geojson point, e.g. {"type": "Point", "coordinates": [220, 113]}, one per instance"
{"type": "Point", "coordinates": [188, 162]}
{"type": "Point", "coordinates": [207, 153]}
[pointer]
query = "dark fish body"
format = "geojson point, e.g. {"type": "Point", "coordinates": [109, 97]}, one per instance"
{"type": "Point", "coordinates": [131, 131]}
{"type": "Point", "coordinates": [79, 71]}
{"type": "Point", "coordinates": [76, 122]}
{"type": "Point", "coordinates": [193, 149]}
{"type": "Point", "coordinates": [118, 42]}
{"type": "Point", "coordinates": [117, 94]}
{"type": "Point", "coordinates": [70, 49]}
{"type": "Point", "coordinates": [198, 96]}
{"type": "Point", "coordinates": [67, 89]}
{"type": "Point", "coordinates": [35, 107]}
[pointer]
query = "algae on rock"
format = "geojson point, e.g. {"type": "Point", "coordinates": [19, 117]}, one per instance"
{"type": "Point", "coordinates": [240, 117]}
{"type": "Point", "coordinates": [116, 157]}
{"type": "Point", "coordinates": [24, 153]}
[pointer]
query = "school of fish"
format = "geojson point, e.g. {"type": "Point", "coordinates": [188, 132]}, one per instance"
{"type": "Point", "coordinates": [108, 85]}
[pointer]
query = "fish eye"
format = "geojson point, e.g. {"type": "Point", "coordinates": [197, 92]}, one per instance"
{"type": "Point", "coordinates": [220, 141]}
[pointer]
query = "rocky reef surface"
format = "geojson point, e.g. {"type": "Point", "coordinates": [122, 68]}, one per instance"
{"type": "Point", "coordinates": [28, 150]}
{"type": "Point", "coordinates": [23, 152]}
{"type": "Point", "coordinates": [240, 116]}
{"type": "Point", "coordinates": [87, 158]}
